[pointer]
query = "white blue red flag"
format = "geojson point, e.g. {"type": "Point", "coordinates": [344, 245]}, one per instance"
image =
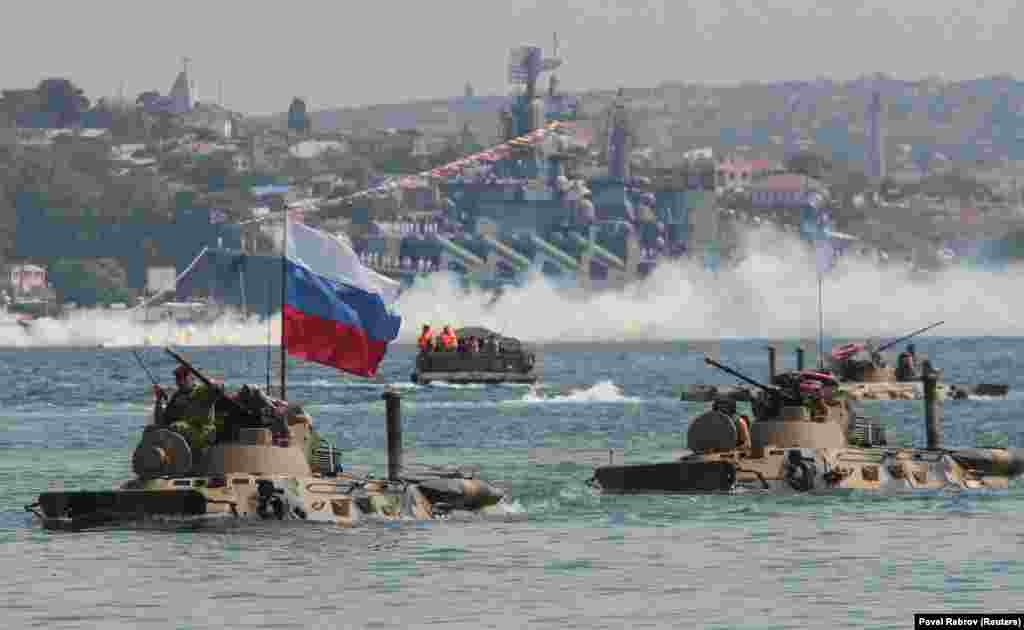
{"type": "Point", "coordinates": [336, 311]}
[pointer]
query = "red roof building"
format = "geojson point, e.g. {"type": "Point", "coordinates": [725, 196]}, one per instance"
{"type": "Point", "coordinates": [741, 172]}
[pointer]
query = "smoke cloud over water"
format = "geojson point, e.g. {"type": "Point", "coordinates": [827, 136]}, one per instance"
{"type": "Point", "coordinates": [772, 293]}
{"type": "Point", "coordinates": [92, 328]}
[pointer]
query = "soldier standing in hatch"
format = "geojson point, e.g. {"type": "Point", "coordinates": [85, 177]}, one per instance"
{"type": "Point", "coordinates": [876, 357]}
{"type": "Point", "coordinates": [906, 365]}
{"type": "Point", "coordinates": [166, 412]}
{"type": "Point", "coordinates": [188, 412]}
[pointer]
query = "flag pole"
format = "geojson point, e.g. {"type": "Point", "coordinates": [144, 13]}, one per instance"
{"type": "Point", "coordinates": [284, 285]}
{"type": "Point", "coordinates": [821, 329]}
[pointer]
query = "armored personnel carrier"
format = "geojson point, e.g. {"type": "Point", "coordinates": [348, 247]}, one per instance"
{"type": "Point", "coordinates": [266, 462]}
{"type": "Point", "coordinates": [866, 374]}
{"type": "Point", "coordinates": [806, 437]}
{"type": "Point", "coordinates": [861, 375]}
{"type": "Point", "coordinates": [499, 359]}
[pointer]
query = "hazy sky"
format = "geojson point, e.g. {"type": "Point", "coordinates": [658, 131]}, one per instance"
{"type": "Point", "coordinates": [334, 54]}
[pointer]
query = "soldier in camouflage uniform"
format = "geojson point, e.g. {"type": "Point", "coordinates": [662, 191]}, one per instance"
{"type": "Point", "coordinates": [190, 410]}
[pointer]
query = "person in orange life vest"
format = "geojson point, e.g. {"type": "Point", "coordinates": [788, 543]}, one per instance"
{"type": "Point", "coordinates": [448, 338]}
{"type": "Point", "coordinates": [743, 432]}
{"type": "Point", "coordinates": [426, 340]}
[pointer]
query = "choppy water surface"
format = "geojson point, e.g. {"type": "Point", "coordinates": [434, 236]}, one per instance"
{"type": "Point", "coordinates": [72, 418]}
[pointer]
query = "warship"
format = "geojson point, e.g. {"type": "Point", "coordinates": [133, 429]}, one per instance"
{"type": "Point", "coordinates": [805, 437]}
{"type": "Point", "coordinates": [500, 359]}
{"type": "Point", "coordinates": [267, 462]}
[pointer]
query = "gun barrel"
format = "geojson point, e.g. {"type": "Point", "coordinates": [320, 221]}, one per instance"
{"type": "Point", "coordinates": [188, 366]}
{"type": "Point", "coordinates": [905, 337]}
{"type": "Point", "coordinates": [742, 377]}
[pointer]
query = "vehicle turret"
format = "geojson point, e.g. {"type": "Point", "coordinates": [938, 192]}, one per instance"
{"type": "Point", "coordinates": [800, 409]}
{"type": "Point", "coordinates": [863, 362]}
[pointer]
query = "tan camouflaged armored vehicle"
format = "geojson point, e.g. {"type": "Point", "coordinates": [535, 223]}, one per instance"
{"type": "Point", "coordinates": [267, 462]}
{"type": "Point", "coordinates": [805, 438]}
{"type": "Point", "coordinates": [866, 375]}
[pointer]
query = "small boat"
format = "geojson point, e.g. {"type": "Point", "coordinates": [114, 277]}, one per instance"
{"type": "Point", "coordinates": [506, 360]}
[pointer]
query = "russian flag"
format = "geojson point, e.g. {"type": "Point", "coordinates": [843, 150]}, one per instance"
{"type": "Point", "coordinates": [336, 310]}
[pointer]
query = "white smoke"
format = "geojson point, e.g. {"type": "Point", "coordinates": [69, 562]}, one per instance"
{"type": "Point", "coordinates": [773, 293]}
{"type": "Point", "coordinates": [101, 327]}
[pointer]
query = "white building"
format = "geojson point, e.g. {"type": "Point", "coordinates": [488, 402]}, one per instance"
{"type": "Point", "coordinates": [24, 278]}
{"type": "Point", "coordinates": [784, 190]}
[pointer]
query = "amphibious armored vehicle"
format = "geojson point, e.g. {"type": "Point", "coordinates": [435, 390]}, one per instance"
{"type": "Point", "coordinates": [872, 380]}
{"type": "Point", "coordinates": [499, 359]}
{"type": "Point", "coordinates": [267, 462]}
{"type": "Point", "coordinates": [806, 437]}
{"type": "Point", "coordinates": [866, 373]}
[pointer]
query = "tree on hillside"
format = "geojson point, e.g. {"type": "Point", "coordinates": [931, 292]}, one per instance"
{"type": "Point", "coordinates": [846, 182]}
{"type": "Point", "coordinates": [297, 167]}
{"type": "Point", "coordinates": [358, 169]}
{"type": "Point", "coordinates": [298, 119]}
{"type": "Point", "coordinates": [164, 126]}
{"type": "Point", "coordinates": [809, 163]}
{"type": "Point", "coordinates": [213, 170]}
{"type": "Point", "coordinates": [334, 160]}
{"type": "Point", "coordinates": [956, 183]}
{"type": "Point", "coordinates": [448, 154]}
{"type": "Point", "coordinates": [1015, 244]}
{"type": "Point", "coordinates": [64, 99]}
{"type": "Point", "coordinates": [88, 282]}
{"type": "Point", "coordinates": [85, 155]}
{"type": "Point", "coordinates": [204, 135]}
{"type": "Point", "coordinates": [144, 98]}
{"type": "Point", "coordinates": [31, 175]}
{"type": "Point", "coordinates": [127, 126]}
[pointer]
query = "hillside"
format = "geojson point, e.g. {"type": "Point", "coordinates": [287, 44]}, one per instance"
{"type": "Point", "coordinates": [925, 121]}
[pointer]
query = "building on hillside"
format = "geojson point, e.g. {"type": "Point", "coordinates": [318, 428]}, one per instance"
{"type": "Point", "coordinates": [733, 173]}
{"type": "Point", "coordinates": [19, 102]}
{"type": "Point", "coordinates": [24, 278]}
{"type": "Point", "coordinates": [384, 141]}
{"type": "Point", "coordinates": [309, 149]}
{"type": "Point", "coordinates": [178, 101]}
{"type": "Point", "coordinates": [213, 118]}
{"type": "Point", "coordinates": [241, 162]}
{"type": "Point", "coordinates": [785, 190]}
